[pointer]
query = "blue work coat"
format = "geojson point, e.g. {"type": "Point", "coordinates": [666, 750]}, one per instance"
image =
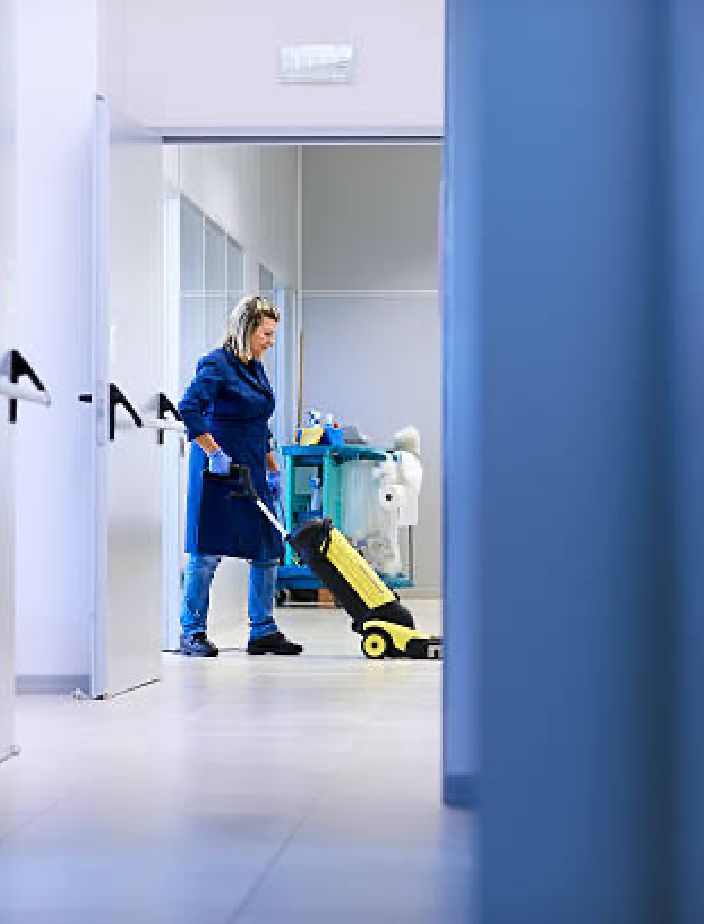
{"type": "Point", "coordinates": [233, 402]}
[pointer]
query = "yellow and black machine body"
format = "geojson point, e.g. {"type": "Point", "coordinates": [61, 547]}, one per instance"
{"type": "Point", "coordinates": [347, 575]}
{"type": "Point", "coordinates": [385, 625]}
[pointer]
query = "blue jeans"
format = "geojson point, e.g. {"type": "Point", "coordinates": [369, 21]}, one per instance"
{"type": "Point", "coordinates": [197, 579]}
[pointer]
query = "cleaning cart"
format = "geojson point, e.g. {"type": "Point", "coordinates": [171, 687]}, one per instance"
{"type": "Point", "coordinates": [314, 490]}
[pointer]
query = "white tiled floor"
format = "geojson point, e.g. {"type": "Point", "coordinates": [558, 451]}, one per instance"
{"type": "Point", "coordinates": [239, 789]}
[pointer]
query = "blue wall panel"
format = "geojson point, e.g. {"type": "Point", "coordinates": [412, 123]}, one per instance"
{"type": "Point", "coordinates": [687, 313]}
{"type": "Point", "coordinates": [558, 453]}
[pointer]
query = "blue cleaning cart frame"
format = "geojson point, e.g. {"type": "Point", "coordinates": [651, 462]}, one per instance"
{"type": "Point", "coordinates": [329, 464]}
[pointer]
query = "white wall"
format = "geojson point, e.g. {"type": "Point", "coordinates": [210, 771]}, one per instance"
{"type": "Point", "coordinates": [370, 311]}
{"type": "Point", "coordinates": [210, 66]}
{"type": "Point", "coordinates": [56, 105]}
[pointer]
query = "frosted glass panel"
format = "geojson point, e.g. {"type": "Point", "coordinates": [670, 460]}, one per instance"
{"type": "Point", "coordinates": [215, 258]}
{"type": "Point", "coordinates": [266, 288]}
{"type": "Point", "coordinates": [211, 282]}
{"type": "Point", "coordinates": [192, 336]}
{"type": "Point", "coordinates": [191, 247]}
{"type": "Point", "coordinates": [286, 349]}
{"type": "Point", "coordinates": [216, 316]}
{"type": "Point", "coordinates": [266, 282]}
{"type": "Point", "coordinates": [212, 275]}
{"type": "Point", "coordinates": [235, 272]}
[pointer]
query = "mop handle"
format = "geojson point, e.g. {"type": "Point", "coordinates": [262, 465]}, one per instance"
{"type": "Point", "coordinates": [241, 478]}
{"type": "Point", "coordinates": [270, 517]}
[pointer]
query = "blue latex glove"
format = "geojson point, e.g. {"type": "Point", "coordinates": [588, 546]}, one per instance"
{"type": "Point", "coordinates": [273, 480]}
{"type": "Point", "coordinates": [219, 463]}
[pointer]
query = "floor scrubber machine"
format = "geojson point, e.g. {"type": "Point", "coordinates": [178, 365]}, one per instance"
{"type": "Point", "coordinates": [386, 627]}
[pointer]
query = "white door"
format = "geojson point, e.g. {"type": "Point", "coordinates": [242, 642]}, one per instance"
{"type": "Point", "coordinates": [7, 563]}
{"type": "Point", "coordinates": [7, 252]}
{"type": "Point", "coordinates": [19, 383]}
{"type": "Point", "coordinates": [173, 467]}
{"type": "Point", "coordinates": [129, 375]}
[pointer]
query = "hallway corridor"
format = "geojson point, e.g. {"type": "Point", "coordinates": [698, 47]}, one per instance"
{"type": "Point", "coordinates": [239, 790]}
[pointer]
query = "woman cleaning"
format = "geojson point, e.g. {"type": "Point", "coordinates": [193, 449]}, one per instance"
{"type": "Point", "coordinates": [226, 411]}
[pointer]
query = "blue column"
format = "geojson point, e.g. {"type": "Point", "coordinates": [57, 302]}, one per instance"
{"type": "Point", "coordinates": [462, 475]}
{"type": "Point", "coordinates": [687, 314]}
{"type": "Point", "coordinates": [558, 569]}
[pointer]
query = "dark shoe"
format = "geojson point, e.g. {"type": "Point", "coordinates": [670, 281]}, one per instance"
{"type": "Point", "coordinates": [197, 645]}
{"type": "Point", "coordinates": [276, 643]}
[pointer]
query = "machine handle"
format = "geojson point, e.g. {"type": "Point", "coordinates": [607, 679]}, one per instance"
{"type": "Point", "coordinates": [117, 397]}
{"type": "Point", "coordinates": [270, 516]}
{"type": "Point", "coordinates": [327, 539]}
{"type": "Point", "coordinates": [239, 480]}
{"type": "Point", "coordinates": [20, 368]}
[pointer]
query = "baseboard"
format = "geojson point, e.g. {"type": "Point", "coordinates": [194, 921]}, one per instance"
{"type": "Point", "coordinates": [460, 791]}
{"type": "Point", "coordinates": [52, 683]}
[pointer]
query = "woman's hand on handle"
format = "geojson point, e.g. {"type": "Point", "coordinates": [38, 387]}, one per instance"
{"type": "Point", "coordinates": [207, 443]}
{"type": "Point", "coordinates": [218, 461]}
{"type": "Point", "coordinates": [273, 477]}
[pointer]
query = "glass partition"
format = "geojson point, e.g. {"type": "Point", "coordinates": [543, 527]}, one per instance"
{"type": "Point", "coordinates": [211, 264]}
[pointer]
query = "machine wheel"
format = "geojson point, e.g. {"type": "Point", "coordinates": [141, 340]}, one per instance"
{"type": "Point", "coordinates": [377, 644]}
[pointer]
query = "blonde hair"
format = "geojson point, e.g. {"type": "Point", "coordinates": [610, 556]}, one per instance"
{"type": "Point", "coordinates": [243, 320]}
